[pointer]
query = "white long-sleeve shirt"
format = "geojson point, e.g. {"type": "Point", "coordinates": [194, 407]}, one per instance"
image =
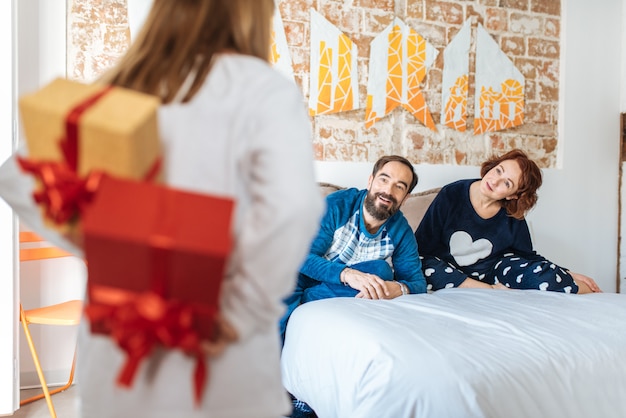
{"type": "Point", "coordinates": [244, 135]}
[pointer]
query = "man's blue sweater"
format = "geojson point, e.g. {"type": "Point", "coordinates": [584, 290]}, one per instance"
{"type": "Point", "coordinates": [343, 240]}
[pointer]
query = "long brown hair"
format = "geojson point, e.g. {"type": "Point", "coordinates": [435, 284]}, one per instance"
{"type": "Point", "coordinates": [529, 182]}
{"type": "Point", "coordinates": [181, 37]}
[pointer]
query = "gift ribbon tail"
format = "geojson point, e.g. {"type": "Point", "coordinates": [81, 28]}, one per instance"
{"type": "Point", "coordinates": [200, 377]}
{"type": "Point", "coordinates": [127, 374]}
{"type": "Point", "coordinates": [154, 170]}
{"type": "Point", "coordinates": [25, 165]}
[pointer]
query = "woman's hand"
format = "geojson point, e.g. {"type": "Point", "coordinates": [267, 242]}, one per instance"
{"type": "Point", "coordinates": [75, 236]}
{"type": "Point", "coordinates": [585, 284]}
{"type": "Point", "coordinates": [499, 286]}
{"type": "Point", "coordinates": [470, 283]}
{"type": "Point", "coordinates": [224, 334]}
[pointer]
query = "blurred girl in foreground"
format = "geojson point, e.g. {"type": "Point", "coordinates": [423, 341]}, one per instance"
{"type": "Point", "coordinates": [231, 126]}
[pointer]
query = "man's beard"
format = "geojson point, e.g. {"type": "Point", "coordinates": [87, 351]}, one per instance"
{"type": "Point", "coordinates": [378, 212]}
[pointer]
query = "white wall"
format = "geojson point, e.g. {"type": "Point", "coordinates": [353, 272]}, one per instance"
{"type": "Point", "coordinates": [41, 57]}
{"type": "Point", "coordinates": [9, 396]}
{"type": "Point", "coordinates": [575, 222]}
{"type": "Point", "coordinates": [623, 57]}
{"type": "Point", "coordinates": [137, 13]}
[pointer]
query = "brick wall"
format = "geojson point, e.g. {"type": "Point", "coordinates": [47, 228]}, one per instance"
{"type": "Point", "coordinates": [528, 31]}
{"type": "Point", "coordinates": [97, 35]}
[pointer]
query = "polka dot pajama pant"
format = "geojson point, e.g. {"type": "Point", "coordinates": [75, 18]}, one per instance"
{"type": "Point", "coordinates": [520, 273]}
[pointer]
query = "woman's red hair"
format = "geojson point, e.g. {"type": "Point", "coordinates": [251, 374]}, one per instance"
{"type": "Point", "coordinates": [529, 182]}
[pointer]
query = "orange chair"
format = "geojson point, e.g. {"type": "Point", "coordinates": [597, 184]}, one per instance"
{"type": "Point", "coordinates": [65, 313]}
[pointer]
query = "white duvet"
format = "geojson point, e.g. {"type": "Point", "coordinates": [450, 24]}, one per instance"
{"type": "Point", "coordinates": [460, 353]}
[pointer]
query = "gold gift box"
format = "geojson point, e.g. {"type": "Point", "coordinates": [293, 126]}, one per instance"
{"type": "Point", "coordinates": [117, 134]}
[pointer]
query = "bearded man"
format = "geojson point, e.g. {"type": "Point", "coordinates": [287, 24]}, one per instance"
{"type": "Point", "coordinates": [365, 247]}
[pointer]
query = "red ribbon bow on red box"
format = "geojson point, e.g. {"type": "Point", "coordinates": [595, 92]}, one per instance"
{"type": "Point", "coordinates": [64, 195]}
{"type": "Point", "coordinates": [140, 323]}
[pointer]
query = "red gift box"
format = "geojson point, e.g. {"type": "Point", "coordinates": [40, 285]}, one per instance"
{"type": "Point", "coordinates": [156, 258]}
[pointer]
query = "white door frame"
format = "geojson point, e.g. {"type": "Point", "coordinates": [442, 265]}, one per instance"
{"type": "Point", "coordinates": [9, 285]}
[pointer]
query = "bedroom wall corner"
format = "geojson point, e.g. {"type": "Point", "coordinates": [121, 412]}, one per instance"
{"type": "Point", "coordinates": [576, 218]}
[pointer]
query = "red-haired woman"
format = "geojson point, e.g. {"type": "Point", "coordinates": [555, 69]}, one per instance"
{"type": "Point", "coordinates": [474, 234]}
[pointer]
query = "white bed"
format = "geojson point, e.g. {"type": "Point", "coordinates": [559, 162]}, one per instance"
{"type": "Point", "coordinates": [460, 353]}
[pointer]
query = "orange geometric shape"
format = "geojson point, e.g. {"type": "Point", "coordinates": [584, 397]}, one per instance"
{"type": "Point", "coordinates": [407, 57]}
{"type": "Point", "coordinates": [395, 72]}
{"type": "Point", "coordinates": [455, 109]}
{"type": "Point", "coordinates": [405, 71]}
{"type": "Point", "coordinates": [499, 100]}
{"type": "Point", "coordinates": [343, 89]}
{"type": "Point", "coordinates": [333, 74]}
{"type": "Point", "coordinates": [499, 111]}
{"type": "Point", "coordinates": [370, 115]}
{"type": "Point", "coordinates": [416, 72]}
{"type": "Point", "coordinates": [324, 81]}
{"type": "Point", "coordinates": [274, 55]}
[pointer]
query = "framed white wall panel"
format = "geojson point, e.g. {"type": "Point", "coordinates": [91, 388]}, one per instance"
{"type": "Point", "coordinates": [41, 57]}
{"type": "Point", "coordinates": [9, 394]}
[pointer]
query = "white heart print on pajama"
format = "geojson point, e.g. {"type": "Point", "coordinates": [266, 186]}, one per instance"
{"type": "Point", "coordinates": [466, 251]}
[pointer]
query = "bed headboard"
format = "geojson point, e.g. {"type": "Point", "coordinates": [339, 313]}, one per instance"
{"type": "Point", "coordinates": [414, 207]}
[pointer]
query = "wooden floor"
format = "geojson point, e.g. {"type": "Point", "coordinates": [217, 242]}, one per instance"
{"type": "Point", "coordinates": [64, 405]}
